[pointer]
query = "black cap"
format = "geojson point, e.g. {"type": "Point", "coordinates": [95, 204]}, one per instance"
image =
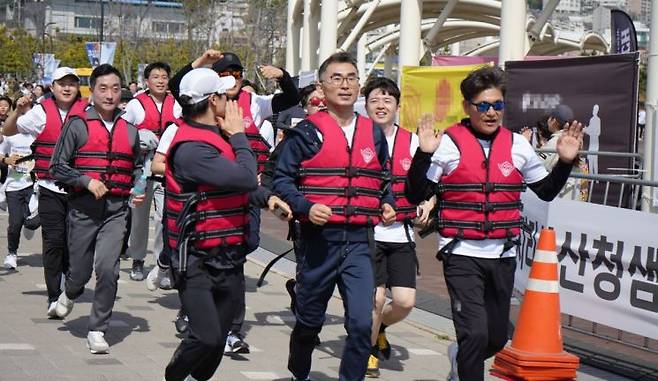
{"type": "Point", "coordinates": [229, 60]}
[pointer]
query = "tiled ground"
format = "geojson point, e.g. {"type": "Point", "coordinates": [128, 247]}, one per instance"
{"type": "Point", "coordinates": [142, 336]}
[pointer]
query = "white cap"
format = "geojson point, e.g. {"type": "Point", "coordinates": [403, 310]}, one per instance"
{"type": "Point", "coordinates": [201, 83]}
{"type": "Point", "coordinates": [64, 71]}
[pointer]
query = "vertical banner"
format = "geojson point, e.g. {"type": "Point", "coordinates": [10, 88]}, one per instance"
{"type": "Point", "coordinates": [100, 53]}
{"type": "Point", "coordinates": [602, 91]}
{"type": "Point", "coordinates": [624, 38]}
{"type": "Point", "coordinates": [432, 90]}
{"type": "Point", "coordinates": [140, 75]}
{"type": "Point", "coordinates": [44, 67]}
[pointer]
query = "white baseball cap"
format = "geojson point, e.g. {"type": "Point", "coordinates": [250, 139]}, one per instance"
{"type": "Point", "coordinates": [64, 71]}
{"type": "Point", "coordinates": [201, 83]}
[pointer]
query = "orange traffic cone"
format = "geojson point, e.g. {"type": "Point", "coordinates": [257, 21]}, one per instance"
{"type": "Point", "coordinates": [536, 352]}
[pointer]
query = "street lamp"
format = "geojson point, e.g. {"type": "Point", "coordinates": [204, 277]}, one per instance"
{"type": "Point", "coordinates": [43, 37]}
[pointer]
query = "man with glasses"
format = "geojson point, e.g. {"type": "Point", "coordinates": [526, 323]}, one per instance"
{"type": "Point", "coordinates": [333, 172]}
{"type": "Point", "coordinates": [477, 170]}
{"type": "Point", "coordinates": [44, 122]}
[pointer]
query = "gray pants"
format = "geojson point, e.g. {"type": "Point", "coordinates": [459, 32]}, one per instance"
{"type": "Point", "coordinates": [100, 235]}
{"type": "Point", "coordinates": [139, 231]}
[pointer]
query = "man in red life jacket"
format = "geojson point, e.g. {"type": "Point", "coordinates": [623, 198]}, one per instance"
{"type": "Point", "coordinates": [395, 256]}
{"type": "Point", "coordinates": [255, 108]}
{"type": "Point", "coordinates": [333, 172]}
{"type": "Point", "coordinates": [207, 251]}
{"type": "Point", "coordinates": [151, 112]}
{"type": "Point", "coordinates": [98, 157]}
{"type": "Point", "coordinates": [44, 122]}
{"type": "Point", "coordinates": [477, 170]}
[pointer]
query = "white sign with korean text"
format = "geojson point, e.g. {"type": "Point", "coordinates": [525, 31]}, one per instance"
{"type": "Point", "coordinates": [608, 261]}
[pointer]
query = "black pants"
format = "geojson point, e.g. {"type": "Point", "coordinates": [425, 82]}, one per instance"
{"type": "Point", "coordinates": [18, 205]}
{"type": "Point", "coordinates": [238, 317]}
{"type": "Point", "coordinates": [480, 291]}
{"type": "Point", "coordinates": [210, 297]}
{"type": "Point", "coordinates": [53, 211]}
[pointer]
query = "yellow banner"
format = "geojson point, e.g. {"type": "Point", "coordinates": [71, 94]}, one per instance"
{"type": "Point", "coordinates": [432, 90]}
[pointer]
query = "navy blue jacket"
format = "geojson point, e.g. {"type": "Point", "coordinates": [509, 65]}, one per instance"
{"type": "Point", "coordinates": [302, 143]}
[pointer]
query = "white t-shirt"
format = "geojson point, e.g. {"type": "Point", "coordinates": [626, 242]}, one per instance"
{"type": "Point", "coordinates": [395, 231]}
{"type": "Point", "coordinates": [33, 122]}
{"type": "Point", "coordinates": [261, 108]}
{"type": "Point", "coordinates": [18, 176]}
{"type": "Point", "coordinates": [347, 130]}
{"type": "Point", "coordinates": [166, 138]}
{"type": "Point", "coordinates": [135, 114]}
{"type": "Point", "coordinates": [446, 159]}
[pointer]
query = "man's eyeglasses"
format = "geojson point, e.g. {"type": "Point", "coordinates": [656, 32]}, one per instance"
{"type": "Point", "coordinates": [237, 74]}
{"type": "Point", "coordinates": [485, 106]}
{"type": "Point", "coordinates": [337, 80]}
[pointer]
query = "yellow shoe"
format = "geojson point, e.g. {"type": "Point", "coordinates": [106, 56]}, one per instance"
{"type": "Point", "coordinates": [384, 346]}
{"type": "Point", "coordinates": [373, 367]}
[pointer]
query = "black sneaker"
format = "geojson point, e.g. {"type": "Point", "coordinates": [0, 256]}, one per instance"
{"type": "Point", "coordinates": [235, 344]}
{"type": "Point", "coordinates": [137, 272]}
{"type": "Point", "coordinates": [181, 323]}
{"type": "Point", "coordinates": [290, 287]}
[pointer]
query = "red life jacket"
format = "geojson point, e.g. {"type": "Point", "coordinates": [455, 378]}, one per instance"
{"type": "Point", "coordinates": [44, 145]}
{"type": "Point", "coordinates": [347, 180]}
{"type": "Point", "coordinates": [481, 198]}
{"type": "Point", "coordinates": [154, 119]}
{"type": "Point", "coordinates": [258, 144]}
{"type": "Point", "coordinates": [209, 216]}
{"type": "Point", "coordinates": [107, 157]}
{"type": "Point", "coordinates": [400, 164]}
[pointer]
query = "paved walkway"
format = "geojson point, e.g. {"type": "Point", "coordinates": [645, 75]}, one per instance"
{"type": "Point", "coordinates": [142, 335]}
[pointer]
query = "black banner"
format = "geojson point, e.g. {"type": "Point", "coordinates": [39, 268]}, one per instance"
{"type": "Point", "coordinates": [601, 91]}
{"type": "Point", "coordinates": [624, 38]}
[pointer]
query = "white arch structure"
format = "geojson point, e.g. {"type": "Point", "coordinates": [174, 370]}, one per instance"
{"type": "Point", "coordinates": [318, 28]}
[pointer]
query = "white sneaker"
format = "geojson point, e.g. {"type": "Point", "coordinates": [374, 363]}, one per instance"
{"type": "Point", "coordinates": [64, 306]}
{"type": "Point", "coordinates": [10, 261]}
{"type": "Point", "coordinates": [165, 282]}
{"type": "Point", "coordinates": [153, 279]}
{"type": "Point", "coordinates": [96, 343]}
{"type": "Point", "coordinates": [452, 355]}
{"type": "Point", "coordinates": [52, 313]}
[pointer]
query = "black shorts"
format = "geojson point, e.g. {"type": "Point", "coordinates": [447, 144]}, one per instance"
{"type": "Point", "coordinates": [395, 264]}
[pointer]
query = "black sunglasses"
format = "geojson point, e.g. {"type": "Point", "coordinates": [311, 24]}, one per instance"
{"type": "Point", "coordinates": [484, 106]}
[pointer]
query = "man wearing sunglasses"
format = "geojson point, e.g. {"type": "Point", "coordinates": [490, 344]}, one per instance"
{"type": "Point", "coordinates": [333, 172]}
{"type": "Point", "coordinates": [477, 170]}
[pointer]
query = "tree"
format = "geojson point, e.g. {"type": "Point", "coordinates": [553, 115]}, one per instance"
{"type": "Point", "coordinates": [16, 53]}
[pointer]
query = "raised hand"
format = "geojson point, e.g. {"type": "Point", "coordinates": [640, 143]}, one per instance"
{"type": "Point", "coordinates": [428, 139]}
{"type": "Point", "coordinates": [570, 142]}
{"type": "Point", "coordinates": [270, 72]}
{"type": "Point", "coordinates": [232, 122]}
{"type": "Point", "coordinates": [208, 57]}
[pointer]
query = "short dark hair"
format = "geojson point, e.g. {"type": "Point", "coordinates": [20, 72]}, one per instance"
{"type": "Point", "coordinates": [305, 93]}
{"type": "Point", "coordinates": [246, 82]}
{"type": "Point", "coordinates": [481, 79]}
{"type": "Point", "coordinates": [384, 84]}
{"type": "Point", "coordinates": [156, 65]}
{"type": "Point", "coordinates": [103, 70]}
{"type": "Point", "coordinates": [8, 100]}
{"type": "Point", "coordinates": [132, 82]}
{"type": "Point", "coordinates": [340, 57]}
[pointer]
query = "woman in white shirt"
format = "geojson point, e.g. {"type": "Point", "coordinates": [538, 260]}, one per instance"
{"type": "Point", "coordinates": [18, 190]}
